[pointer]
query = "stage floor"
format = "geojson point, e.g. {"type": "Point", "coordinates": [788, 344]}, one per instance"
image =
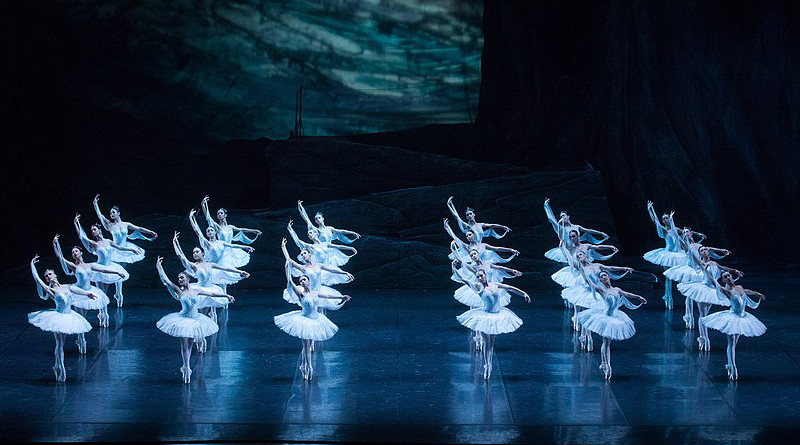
{"type": "Point", "coordinates": [401, 369]}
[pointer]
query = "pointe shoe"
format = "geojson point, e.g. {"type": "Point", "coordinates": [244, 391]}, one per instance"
{"type": "Point", "coordinates": [57, 373]}
{"type": "Point", "coordinates": [730, 374]}
{"type": "Point", "coordinates": [310, 372]}
{"type": "Point", "coordinates": [667, 301]}
{"type": "Point", "coordinates": [485, 372]}
{"type": "Point", "coordinates": [119, 298]}
{"type": "Point", "coordinates": [734, 373]}
{"type": "Point", "coordinates": [312, 345]}
{"type": "Point", "coordinates": [589, 344]}
{"type": "Point", "coordinates": [689, 321]}
{"type": "Point", "coordinates": [186, 373]}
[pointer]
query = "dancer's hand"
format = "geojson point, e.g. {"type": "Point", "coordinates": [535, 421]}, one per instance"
{"type": "Point", "coordinates": [615, 249]}
{"type": "Point", "coordinates": [290, 224]}
{"type": "Point", "coordinates": [446, 222]}
{"type": "Point", "coordinates": [205, 199]}
{"type": "Point", "coordinates": [249, 249]}
{"type": "Point", "coordinates": [230, 298]}
{"type": "Point", "coordinates": [526, 297]}
{"type": "Point", "coordinates": [643, 300]}
{"type": "Point", "coordinates": [258, 232]}
{"type": "Point", "coordinates": [629, 269]}
{"type": "Point", "coordinates": [192, 212]}
{"type": "Point", "coordinates": [350, 277]}
{"type": "Point", "coordinates": [508, 229]}
{"type": "Point", "coordinates": [96, 197]}
{"type": "Point", "coordinates": [345, 298]}
{"type": "Point", "coordinates": [244, 274]}
{"type": "Point", "coordinates": [159, 260]}
{"type": "Point", "coordinates": [92, 296]}
{"type": "Point", "coordinates": [517, 273]}
{"type": "Point", "coordinates": [55, 238]}
{"type": "Point", "coordinates": [739, 272]}
{"type": "Point", "coordinates": [358, 236]}
{"type": "Point", "coordinates": [515, 252]}
{"type": "Point", "coordinates": [283, 242]}
{"type": "Point", "coordinates": [761, 296]}
{"type": "Point", "coordinates": [175, 237]}
{"type": "Point", "coordinates": [35, 259]}
{"type": "Point", "coordinates": [547, 200]}
{"type": "Point", "coordinates": [450, 200]}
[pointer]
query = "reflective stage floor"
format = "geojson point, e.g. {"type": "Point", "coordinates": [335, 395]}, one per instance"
{"type": "Point", "coordinates": [401, 369]}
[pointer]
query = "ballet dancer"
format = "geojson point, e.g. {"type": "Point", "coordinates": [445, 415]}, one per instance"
{"type": "Point", "coordinates": [327, 233]}
{"type": "Point", "coordinates": [102, 249]}
{"type": "Point", "coordinates": [489, 254]}
{"type": "Point", "coordinates": [122, 231]}
{"type": "Point", "coordinates": [83, 272]}
{"type": "Point", "coordinates": [326, 253]}
{"type": "Point", "coordinates": [734, 322]}
{"type": "Point", "coordinates": [607, 320]}
{"type": "Point", "coordinates": [581, 296]}
{"type": "Point", "coordinates": [203, 271]}
{"type": "Point", "coordinates": [568, 276]}
{"type": "Point", "coordinates": [668, 256]}
{"type": "Point", "coordinates": [307, 324]}
{"type": "Point", "coordinates": [319, 275]}
{"type": "Point", "coordinates": [562, 226]}
{"type": "Point", "coordinates": [689, 271]}
{"type": "Point", "coordinates": [491, 319]}
{"type": "Point", "coordinates": [188, 325]}
{"type": "Point", "coordinates": [62, 320]}
{"type": "Point", "coordinates": [214, 249]}
{"type": "Point", "coordinates": [480, 230]}
{"type": "Point", "coordinates": [704, 293]}
{"type": "Point", "coordinates": [228, 233]}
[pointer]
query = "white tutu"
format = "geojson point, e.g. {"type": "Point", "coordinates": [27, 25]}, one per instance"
{"type": "Point", "coordinates": [581, 296]}
{"type": "Point", "coordinates": [465, 295]}
{"type": "Point", "coordinates": [88, 304]}
{"type": "Point", "coordinates": [684, 274]}
{"type": "Point", "coordinates": [50, 320]}
{"type": "Point", "coordinates": [729, 323]}
{"type": "Point", "coordinates": [123, 256]}
{"type": "Point", "coordinates": [565, 278]}
{"type": "Point", "coordinates": [500, 322]}
{"type": "Point", "coordinates": [325, 303]}
{"type": "Point", "coordinates": [702, 293]}
{"type": "Point", "coordinates": [196, 327]}
{"type": "Point", "coordinates": [109, 278]}
{"type": "Point", "coordinates": [330, 278]}
{"type": "Point", "coordinates": [663, 257]}
{"type": "Point", "coordinates": [556, 255]}
{"type": "Point", "coordinates": [235, 258]}
{"type": "Point", "coordinates": [616, 327]}
{"type": "Point", "coordinates": [294, 323]}
{"type": "Point", "coordinates": [224, 277]}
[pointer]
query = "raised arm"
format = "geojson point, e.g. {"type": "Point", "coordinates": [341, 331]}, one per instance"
{"type": "Point", "coordinates": [662, 231]}
{"type": "Point", "coordinates": [304, 214]}
{"type": "Point", "coordinates": [171, 287]}
{"type": "Point", "coordinates": [103, 220]}
{"type": "Point", "coordinates": [207, 213]}
{"type": "Point", "coordinates": [474, 285]}
{"type": "Point", "coordinates": [67, 266]}
{"type": "Point", "coordinates": [551, 216]}
{"type": "Point", "coordinates": [188, 265]}
{"type": "Point", "coordinates": [300, 244]}
{"type": "Point", "coordinates": [515, 290]}
{"type": "Point", "coordinates": [204, 243]}
{"type": "Point", "coordinates": [451, 233]}
{"type": "Point", "coordinates": [295, 288]}
{"type": "Point", "coordinates": [87, 243]}
{"type": "Point", "coordinates": [286, 255]}
{"type": "Point", "coordinates": [461, 223]}
{"type": "Point", "coordinates": [43, 289]}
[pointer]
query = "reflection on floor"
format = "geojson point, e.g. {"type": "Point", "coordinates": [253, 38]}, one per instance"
{"type": "Point", "coordinates": [401, 368]}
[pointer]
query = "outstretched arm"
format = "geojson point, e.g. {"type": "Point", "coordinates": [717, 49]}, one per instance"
{"type": "Point", "coordinates": [622, 270]}
{"type": "Point", "coordinates": [205, 291]}
{"type": "Point", "coordinates": [514, 272]}
{"type": "Point", "coordinates": [240, 272]}
{"type": "Point", "coordinates": [103, 220]}
{"type": "Point", "coordinates": [196, 227]}
{"type": "Point", "coordinates": [247, 249]}
{"type": "Point", "coordinates": [304, 214]}
{"type": "Point", "coordinates": [551, 216]}
{"type": "Point", "coordinates": [44, 289]}
{"type": "Point", "coordinates": [123, 248]}
{"type": "Point", "coordinates": [341, 247]}
{"type": "Point", "coordinates": [751, 302]}
{"type": "Point", "coordinates": [188, 265]}
{"type": "Point", "coordinates": [602, 236]}
{"type": "Point", "coordinates": [496, 227]}
{"type": "Point", "coordinates": [103, 269]}
{"type": "Point", "coordinates": [513, 252]}
{"type": "Point", "coordinates": [461, 223]}
{"type": "Point", "coordinates": [295, 288]}
{"type": "Point", "coordinates": [631, 296]}
{"type": "Point", "coordinates": [336, 270]}
{"type": "Point", "coordinates": [207, 213]}
{"type": "Point", "coordinates": [286, 255]}
{"type": "Point", "coordinates": [78, 291]}
{"type": "Point", "coordinates": [474, 285]}
{"type": "Point", "coordinates": [515, 290]}
{"type": "Point", "coordinates": [300, 244]}
{"type": "Point", "coordinates": [718, 253]}
{"type": "Point", "coordinates": [452, 234]}
{"type": "Point", "coordinates": [601, 246]}
{"type": "Point", "coordinates": [143, 230]}
{"type": "Point", "coordinates": [67, 266]}
{"type": "Point", "coordinates": [700, 237]}
{"type": "Point", "coordinates": [334, 297]}
{"type": "Point", "coordinates": [171, 287]}
{"type": "Point", "coordinates": [737, 272]}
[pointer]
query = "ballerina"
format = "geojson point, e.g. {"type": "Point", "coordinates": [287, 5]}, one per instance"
{"type": "Point", "coordinates": [668, 256]}
{"type": "Point", "coordinates": [488, 253]}
{"type": "Point", "coordinates": [320, 276]}
{"type": "Point", "coordinates": [568, 276]}
{"type": "Point", "coordinates": [228, 233]}
{"type": "Point", "coordinates": [324, 252]}
{"type": "Point", "coordinates": [83, 272]}
{"type": "Point", "coordinates": [214, 249]}
{"type": "Point", "coordinates": [734, 322]}
{"type": "Point", "coordinates": [480, 230]}
{"type": "Point", "coordinates": [102, 248]}
{"type": "Point", "coordinates": [61, 320]}
{"type": "Point", "coordinates": [607, 320]}
{"type": "Point", "coordinates": [203, 271]}
{"type": "Point", "coordinates": [121, 233]}
{"type": "Point", "coordinates": [581, 296]}
{"type": "Point", "coordinates": [188, 325]}
{"type": "Point", "coordinates": [492, 318]}
{"type": "Point", "coordinates": [327, 233]}
{"type": "Point", "coordinates": [690, 271]}
{"type": "Point", "coordinates": [562, 226]}
{"type": "Point", "coordinates": [307, 324]}
{"type": "Point", "coordinates": [704, 293]}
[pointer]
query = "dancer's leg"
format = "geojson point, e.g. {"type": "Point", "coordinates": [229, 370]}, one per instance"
{"type": "Point", "coordinates": [608, 357]}
{"type": "Point", "coordinates": [703, 341]}
{"type": "Point", "coordinates": [118, 294]}
{"type": "Point", "coordinates": [575, 324]}
{"type": "Point", "coordinates": [485, 351]}
{"type": "Point", "coordinates": [304, 358]}
{"type": "Point", "coordinates": [309, 366]}
{"type": "Point", "coordinates": [735, 372]}
{"type": "Point", "coordinates": [668, 293]}
{"type": "Point", "coordinates": [186, 357]}
{"type": "Point", "coordinates": [490, 354]}
{"type": "Point", "coordinates": [81, 342]}
{"type": "Point", "coordinates": [58, 353]}
{"type": "Point", "coordinates": [728, 349]}
{"type": "Point", "coordinates": [688, 316]}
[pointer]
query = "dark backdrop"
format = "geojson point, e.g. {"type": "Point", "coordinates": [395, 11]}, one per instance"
{"type": "Point", "coordinates": [691, 104]}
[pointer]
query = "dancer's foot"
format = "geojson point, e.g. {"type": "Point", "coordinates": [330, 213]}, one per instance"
{"type": "Point", "coordinates": [186, 373]}
{"type": "Point", "coordinates": [575, 324]}
{"type": "Point", "coordinates": [57, 372]}
{"type": "Point", "coordinates": [689, 320]}
{"type": "Point", "coordinates": [667, 301]}
{"type": "Point", "coordinates": [589, 343]}
{"type": "Point", "coordinates": [312, 345]}
{"type": "Point", "coordinates": [119, 297]}
{"type": "Point", "coordinates": [487, 372]}
{"type": "Point", "coordinates": [729, 369]}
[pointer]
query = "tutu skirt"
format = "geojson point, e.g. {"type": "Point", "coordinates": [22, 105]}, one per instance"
{"type": "Point", "coordinates": [581, 296]}
{"type": "Point", "coordinates": [196, 327]}
{"type": "Point", "coordinates": [325, 303]}
{"type": "Point", "coordinates": [663, 257]}
{"type": "Point", "coordinates": [492, 323]}
{"type": "Point", "coordinates": [51, 320]}
{"type": "Point", "coordinates": [297, 325]}
{"type": "Point", "coordinates": [616, 327]}
{"type": "Point", "coordinates": [109, 278]}
{"type": "Point", "coordinates": [465, 295]}
{"type": "Point", "coordinates": [684, 274]}
{"type": "Point", "coordinates": [223, 277]}
{"type": "Point", "coordinates": [123, 256]}
{"type": "Point", "coordinates": [235, 257]}
{"type": "Point", "coordinates": [729, 323]}
{"type": "Point", "coordinates": [702, 293]}
{"type": "Point", "coordinates": [565, 278]}
{"type": "Point", "coordinates": [89, 304]}
{"type": "Point", "coordinates": [556, 255]}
